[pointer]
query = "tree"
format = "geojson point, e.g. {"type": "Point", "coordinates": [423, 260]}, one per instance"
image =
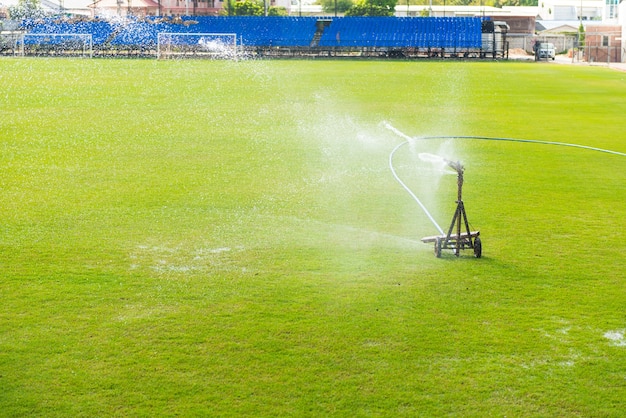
{"type": "Point", "coordinates": [581, 37]}
{"type": "Point", "coordinates": [228, 9]}
{"type": "Point", "coordinates": [25, 9]}
{"type": "Point", "coordinates": [328, 6]}
{"type": "Point", "coordinates": [372, 8]}
{"type": "Point", "coordinates": [277, 11]}
{"type": "Point", "coordinates": [500, 3]}
{"type": "Point", "coordinates": [248, 8]}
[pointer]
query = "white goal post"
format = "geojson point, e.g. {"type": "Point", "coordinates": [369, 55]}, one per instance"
{"type": "Point", "coordinates": [197, 45]}
{"type": "Point", "coordinates": [56, 44]}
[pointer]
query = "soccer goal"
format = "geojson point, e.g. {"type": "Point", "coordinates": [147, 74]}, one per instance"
{"type": "Point", "coordinates": [11, 43]}
{"type": "Point", "coordinates": [56, 44]}
{"type": "Point", "coordinates": [197, 45]}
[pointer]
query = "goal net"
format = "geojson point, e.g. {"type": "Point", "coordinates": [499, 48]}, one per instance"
{"type": "Point", "coordinates": [197, 45]}
{"type": "Point", "coordinates": [11, 43]}
{"type": "Point", "coordinates": [56, 44]}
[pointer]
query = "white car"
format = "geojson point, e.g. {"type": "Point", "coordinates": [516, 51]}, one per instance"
{"type": "Point", "coordinates": [545, 50]}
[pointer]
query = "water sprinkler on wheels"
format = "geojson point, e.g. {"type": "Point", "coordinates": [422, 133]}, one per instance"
{"type": "Point", "coordinates": [459, 236]}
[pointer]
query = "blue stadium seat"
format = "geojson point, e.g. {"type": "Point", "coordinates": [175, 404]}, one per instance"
{"type": "Point", "coordinates": [390, 32]}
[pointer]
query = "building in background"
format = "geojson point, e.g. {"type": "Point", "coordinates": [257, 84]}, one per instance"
{"type": "Point", "coordinates": [571, 10]}
{"type": "Point", "coordinates": [174, 7]}
{"type": "Point", "coordinates": [123, 8]}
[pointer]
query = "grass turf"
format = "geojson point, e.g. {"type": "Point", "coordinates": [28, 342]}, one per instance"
{"type": "Point", "coordinates": [226, 238]}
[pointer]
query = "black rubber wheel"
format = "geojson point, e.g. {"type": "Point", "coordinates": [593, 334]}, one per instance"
{"type": "Point", "coordinates": [478, 248]}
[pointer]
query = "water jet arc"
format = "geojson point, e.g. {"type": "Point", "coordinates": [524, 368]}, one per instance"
{"type": "Point", "coordinates": [419, 202]}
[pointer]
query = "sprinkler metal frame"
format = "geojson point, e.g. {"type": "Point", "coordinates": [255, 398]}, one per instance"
{"type": "Point", "coordinates": [455, 239]}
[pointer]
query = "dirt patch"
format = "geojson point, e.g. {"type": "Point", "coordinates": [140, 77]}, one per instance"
{"type": "Point", "coordinates": [517, 51]}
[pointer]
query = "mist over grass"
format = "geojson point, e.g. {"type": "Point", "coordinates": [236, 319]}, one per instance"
{"type": "Point", "coordinates": [226, 238]}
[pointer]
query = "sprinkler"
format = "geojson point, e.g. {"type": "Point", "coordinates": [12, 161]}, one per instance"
{"type": "Point", "coordinates": [467, 239]}
{"type": "Point", "coordinates": [459, 236]}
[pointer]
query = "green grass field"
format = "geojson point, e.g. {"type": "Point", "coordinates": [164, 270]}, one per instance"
{"type": "Point", "coordinates": [226, 238]}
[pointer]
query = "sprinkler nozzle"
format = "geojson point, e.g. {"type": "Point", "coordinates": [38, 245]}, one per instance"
{"type": "Point", "coordinates": [456, 165]}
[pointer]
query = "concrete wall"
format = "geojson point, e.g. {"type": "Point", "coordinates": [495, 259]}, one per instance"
{"type": "Point", "coordinates": [561, 43]}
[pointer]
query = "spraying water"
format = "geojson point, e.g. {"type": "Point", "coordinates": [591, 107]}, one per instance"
{"type": "Point", "coordinates": [396, 131]}
{"type": "Point", "coordinates": [439, 163]}
{"type": "Point", "coordinates": [431, 158]}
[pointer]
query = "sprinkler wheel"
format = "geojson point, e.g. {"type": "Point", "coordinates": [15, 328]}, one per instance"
{"type": "Point", "coordinates": [478, 248]}
{"type": "Point", "coordinates": [438, 248]}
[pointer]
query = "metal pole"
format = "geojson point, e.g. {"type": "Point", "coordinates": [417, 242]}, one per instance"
{"type": "Point", "coordinates": [579, 26]}
{"type": "Point", "coordinates": [460, 183]}
{"type": "Point", "coordinates": [461, 210]}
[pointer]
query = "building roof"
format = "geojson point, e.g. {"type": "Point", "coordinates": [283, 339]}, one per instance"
{"type": "Point", "coordinates": [553, 26]}
{"type": "Point", "coordinates": [135, 4]}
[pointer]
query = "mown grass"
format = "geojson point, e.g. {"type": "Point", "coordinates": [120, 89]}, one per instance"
{"type": "Point", "coordinates": [226, 238]}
